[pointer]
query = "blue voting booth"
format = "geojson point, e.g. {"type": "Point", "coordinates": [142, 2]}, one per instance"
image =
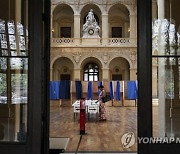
{"type": "Point", "coordinates": [90, 90]}
{"type": "Point", "coordinates": [132, 90]}
{"type": "Point", "coordinates": [78, 89]}
{"type": "Point", "coordinates": [54, 90]}
{"type": "Point", "coordinates": [61, 90]}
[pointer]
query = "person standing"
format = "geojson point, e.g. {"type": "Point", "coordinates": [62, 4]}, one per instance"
{"type": "Point", "coordinates": [102, 111]}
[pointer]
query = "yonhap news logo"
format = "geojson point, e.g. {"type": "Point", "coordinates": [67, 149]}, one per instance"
{"type": "Point", "coordinates": [128, 140]}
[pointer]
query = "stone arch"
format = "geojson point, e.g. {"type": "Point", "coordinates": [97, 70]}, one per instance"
{"type": "Point", "coordinates": [93, 4]}
{"type": "Point", "coordinates": [120, 3]}
{"type": "Point", "coordinates": [97, 13]}
{"type": "Point", "coordinates": [122, 56]}
{"type": "Point", "coordinates": [119, 69]}
{"type": "Point", "coordinates": [119, 21]}
{"type": "Point", "coordinates": [63, 69]}
{"type": "Point", "coordinates": [62, 19]}
{"type": "Point", "coordinates": [91, 60]}
{"type": "Point", "coordinates": [88, 58]}
{"type": "Point", "coordinates": [61, 56]}
{"type": "Point", "coordinates": [63, 3]}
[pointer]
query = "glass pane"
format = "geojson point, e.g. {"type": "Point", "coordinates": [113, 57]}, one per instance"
{"type": "Point", "coordinates": [166, 68]}
{"type": "Point", "coordinates": [2, 26]}
{"type": "Point", "coordinates": [91, 78]}
{"type": "Point", "coordinates": [12, 41]}
{"type": "Point", "coordinates": [165, 28]}
{"type": "Point", "coordinates": [19, 63]}
{"type": "Point", "coordinates": [166, 94]}
{"type": "Point", "coordinates": [3, 89]}
{"type": "Point", "coordinates": [4, 53]}
{"type": "Point", "coordinates": [13, 71]}
{"type": "Point", "coordinates": [92, 70]}
{"type": "Point", "coordinates": [19, 88]}
{"type": "Point", "coordinates": [3, 63]}
{"type": "Point", "coordinates": [95, 78]}
{"type": "Point", "coordinates": [3, 41]}
{"type": "Point", "coordinates": [85, 77]}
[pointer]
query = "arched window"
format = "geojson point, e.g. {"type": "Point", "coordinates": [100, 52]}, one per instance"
{"type": "Point", "coordinates": [91, 72]}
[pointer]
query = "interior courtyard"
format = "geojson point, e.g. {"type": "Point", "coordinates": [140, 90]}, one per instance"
{"type": "Point", "coordinates": [93, 43]}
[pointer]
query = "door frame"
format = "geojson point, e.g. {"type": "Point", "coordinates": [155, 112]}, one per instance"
{"type": "Point", "coordinates": [38, 106]}
{"type": "Point", "coordinates": [145, 123]}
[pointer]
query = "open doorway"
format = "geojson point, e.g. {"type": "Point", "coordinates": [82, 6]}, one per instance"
{"type": "Point", "coordinates": [102, 50]}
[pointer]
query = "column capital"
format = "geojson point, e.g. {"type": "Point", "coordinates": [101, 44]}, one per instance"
{"type": "Point", "coordinates": [76, 14]}
{"type": "Point", "coordinates": [104, 15]}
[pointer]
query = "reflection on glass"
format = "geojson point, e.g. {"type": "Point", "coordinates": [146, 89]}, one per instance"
{"type": "Point", "coordinates": [12, 40]}
{"type": "Point", "coordinates": [166, 68]}
{"type": "Point", "coordinates": [19, 88]}
{"type": "Point", "coordinates": [11, 27]}
{"type": "Point", "coordinates": [2, 26]}
{"type": "Point", "coordinates": [19, 63]}
{"type": "Point", "coordinates": [20, 29]}
{"type": "Point", "coordinates": [13, 53]}
{"type": "Point", "coordinates": [3, 89]}
{"type": "Point", "coordinates": [13, 72]}
{"type": "Point", "coordinates": [4, 52]}
{"type": "Point", "coordinates": [3, 41]}
{"type": "Point", "coordinates": [22, 43]}
{"type": "Point", "coordinates": [3, 63]}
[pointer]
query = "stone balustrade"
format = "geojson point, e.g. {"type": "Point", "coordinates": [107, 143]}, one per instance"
{"type": "Point", "coordinates": [114, 42]}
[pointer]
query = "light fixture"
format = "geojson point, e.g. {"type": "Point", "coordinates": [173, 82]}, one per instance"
{"type": "Point", "coordinates": [128, 29]}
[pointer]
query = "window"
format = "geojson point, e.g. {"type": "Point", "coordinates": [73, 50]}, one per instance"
{"type": "Point", "coordinates": [116, 32]}
{"type": "Point", "coordinates": [91, 72]}
{"type": "Point", "coordinates": [65, 32]}
{"type": "Point", "coordinates": [14, 78]}
{"type": "Point", "coordinates": [116, 77]}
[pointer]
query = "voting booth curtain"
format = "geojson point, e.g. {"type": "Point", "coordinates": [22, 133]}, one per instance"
{"type": "Point", "coordinates": [62, 89]}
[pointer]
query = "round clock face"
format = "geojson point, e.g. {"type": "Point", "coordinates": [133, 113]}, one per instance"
{"type": "Point", "coordinates": [91, 31]}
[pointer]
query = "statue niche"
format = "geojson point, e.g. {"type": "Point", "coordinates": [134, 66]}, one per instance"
{"type": "Point", "coordinates": [90, 28]}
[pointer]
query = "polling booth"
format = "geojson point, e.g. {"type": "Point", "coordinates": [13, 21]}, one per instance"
{"type": "Point", "coordinates": [54, 93]}
{"type": "Point", "coordinates": [65, 93]}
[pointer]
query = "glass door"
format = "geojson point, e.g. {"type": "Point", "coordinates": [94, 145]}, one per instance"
{"type": "Point", "coordinates": [166, 68]}
{"type": "Point", "coordinates": [23, 87]}
{"type": "Point", "coordinates": [13, 71]}
{"type": "Point", "coordinates": [159, 78]}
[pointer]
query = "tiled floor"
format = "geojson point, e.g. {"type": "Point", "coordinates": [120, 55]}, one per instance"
{"type": "Point", "coordinates": [101, 136]}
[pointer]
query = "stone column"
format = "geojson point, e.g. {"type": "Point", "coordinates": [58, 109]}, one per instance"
{"type": "Point", "coordinates": [77, 31]}
{"type": "Point", "coordinates": [126, 28]}
{"type": "Point", "coordinates": [56, 29]}
{"type": "Point", "coordinates": [105, 29]}
{"type": "Point", "coordinates": [133, 75]}
{"type": "Point", "coordinates": [51, 74]}
{"type": "Point", "coordinates": [133, 28]}
{"type": "Point", "coordinates": [51, 28]}
{"type": "Point", "coordinates": [77, 74]}
{"type": "Point", "coordinates": [105, 74]}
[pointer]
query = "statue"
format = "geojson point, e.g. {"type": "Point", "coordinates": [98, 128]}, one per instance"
{"type": "Point", "coordinates": [90, 28]}
{"type": "Point", "coordinates": [90, 17]}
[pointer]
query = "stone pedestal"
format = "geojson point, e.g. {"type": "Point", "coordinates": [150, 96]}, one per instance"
{"type": "Point", "coordinates": [91, 41]}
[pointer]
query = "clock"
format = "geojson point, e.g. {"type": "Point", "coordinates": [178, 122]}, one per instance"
{"type": "Point", "coordinates": [91, 32]}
